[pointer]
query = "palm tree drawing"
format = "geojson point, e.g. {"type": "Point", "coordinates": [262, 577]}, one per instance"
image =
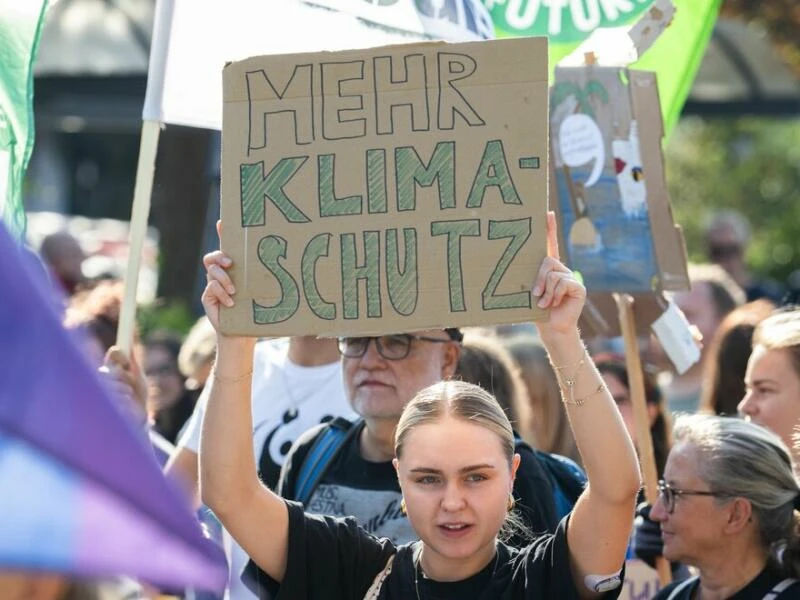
{"type": "Point", "coordinates": [582, 232]}
{"type": "Point", "coordinates": [565, 89]}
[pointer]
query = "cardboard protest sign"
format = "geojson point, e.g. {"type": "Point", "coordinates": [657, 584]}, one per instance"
{"type": "Point", "coordinates": [385, 190]}
{"type": "Point", "coordinates": [609, 179]}
{"type": "Point", "coordinates": [641, 581]}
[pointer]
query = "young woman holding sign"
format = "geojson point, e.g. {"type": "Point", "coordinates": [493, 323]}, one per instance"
{"type": "Point", "coordinates": [456, 464]}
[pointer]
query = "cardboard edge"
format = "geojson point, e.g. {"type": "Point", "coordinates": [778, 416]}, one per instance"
{"type": "Point", "coordinates": [668, 242]}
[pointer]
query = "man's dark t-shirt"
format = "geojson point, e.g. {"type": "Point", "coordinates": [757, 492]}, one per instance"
{"type": "Point", "coordinates": [335, 559]}
{"type": "Point", "coordinates": [369, 491]}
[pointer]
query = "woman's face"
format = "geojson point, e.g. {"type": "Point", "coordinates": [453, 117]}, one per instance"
{"type": "Point", "coordinates": [694, 529]}
{"type": "Point", "coordinates": [164, 381]}
{"type": "Point", "coordinates": [772, 398]}
{"type": "Point", "coordinates": [456, 482]}
{"type": "Point", "coordinates": [622, 396]}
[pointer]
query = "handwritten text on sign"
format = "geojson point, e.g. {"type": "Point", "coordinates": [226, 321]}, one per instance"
{"type": "Point", "coordinates": [385, 190]}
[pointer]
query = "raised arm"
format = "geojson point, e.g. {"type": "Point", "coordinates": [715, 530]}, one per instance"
{"type": "Point", "coordinates": [229, 485]}
{"type": "Point", "coordinates": [601, 521]}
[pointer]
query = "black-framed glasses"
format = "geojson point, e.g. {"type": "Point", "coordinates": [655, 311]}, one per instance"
{"type": "Point", "coordinates": [667, 493]}
{"type": "Point", "coordinates": [391, 347]}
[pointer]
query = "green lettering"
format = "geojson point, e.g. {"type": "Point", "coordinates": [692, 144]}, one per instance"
{"type": "Point", "coordinates": [454, 230]}
{"type": "Point", "coordinates": [493, 172]}
{"type": "Point", "coordinates": [255, 187]}
{"type": "Point", "coordinates": [410, 171]}
{"type": "Point", "coordinates": [271, 249]}
{"type": "Point", "coordinates": [317, 247]}
{"type": "Point", "coordinates": [329, 204]}
{"type": "Point", "coordinates": [376, 181]}
{"type": "Point", "coordinates": [353, 272]}
{"type": "Point", "coordinates": [518, 230]}
{"type": "Point", "coordinates": [403, 285]}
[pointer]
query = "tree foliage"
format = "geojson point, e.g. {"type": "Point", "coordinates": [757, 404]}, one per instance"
{"type": "Point", "coordinates": [751, 165]}
{"type": "Point", "coordinates": [781, 19]}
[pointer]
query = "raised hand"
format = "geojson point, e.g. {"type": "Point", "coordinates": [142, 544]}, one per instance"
{"type": "Point", "coordinates": [127, 381]}
{"type": "Point", "coordinates": [557, 288]}
{"type": "Point", "coordinates": [219, 289]}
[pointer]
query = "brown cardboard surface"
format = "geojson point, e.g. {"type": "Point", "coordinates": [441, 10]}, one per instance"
{"type": "Point", "coordinates": [600, 316]}
{"type": "Point", "coordinates": [385, 190]}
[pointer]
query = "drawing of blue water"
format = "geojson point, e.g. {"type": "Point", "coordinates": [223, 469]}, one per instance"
{"type": "Point", "coordinates": [625, 261]}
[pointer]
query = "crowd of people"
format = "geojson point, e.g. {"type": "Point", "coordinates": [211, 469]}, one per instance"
{"type": "Point", "coordinates": [475, 462]}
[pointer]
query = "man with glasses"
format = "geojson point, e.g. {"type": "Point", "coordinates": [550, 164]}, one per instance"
{"type": "Point", "coordinates": [381, 375]}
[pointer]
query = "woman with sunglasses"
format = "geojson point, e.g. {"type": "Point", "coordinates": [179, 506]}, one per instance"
{"type": "Point", "coordinates": [727, 506]}
{"type": "Point", "coordinates": [456, 464]}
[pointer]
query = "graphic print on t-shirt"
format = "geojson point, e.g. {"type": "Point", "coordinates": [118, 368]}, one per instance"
{"type": "Point", "coordinates": [377, 511]}
{"type": "Point", "coordinates": [294, 422]}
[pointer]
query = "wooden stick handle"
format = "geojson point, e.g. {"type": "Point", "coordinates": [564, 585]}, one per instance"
{"type": "Point", "coordinates": [142, 192]}
{"type": "Point", "coordinates": [644, 441]}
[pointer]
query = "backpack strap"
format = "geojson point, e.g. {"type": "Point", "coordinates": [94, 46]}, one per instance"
{"type": "Point", "coordinates": [779, 588]}
{"type": "Point", "coordinates": [324, 449]}
{"type": "Point", "coordinates": [676, 591]}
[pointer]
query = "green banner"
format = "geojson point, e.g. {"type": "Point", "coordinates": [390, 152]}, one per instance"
{"type": "Point", "coordinates": [563, 21]}
{"type": "Point", "coordinates": [20, 29]}
{"type": "Point", "coordinates": [675, 57]}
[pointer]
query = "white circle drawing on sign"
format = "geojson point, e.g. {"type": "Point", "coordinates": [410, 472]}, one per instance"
{"type": "Point", "coordinates": [581, 142]}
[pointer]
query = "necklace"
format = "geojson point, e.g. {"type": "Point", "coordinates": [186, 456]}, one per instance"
{"type": "Point", "coordinates": [417, 560]}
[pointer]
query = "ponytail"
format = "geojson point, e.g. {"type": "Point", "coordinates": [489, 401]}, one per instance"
{"type": "Point", "coordinates": [785, 554]}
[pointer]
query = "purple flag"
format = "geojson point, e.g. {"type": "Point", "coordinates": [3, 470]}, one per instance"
{"type": "Point", "coordinates": [80, 490]}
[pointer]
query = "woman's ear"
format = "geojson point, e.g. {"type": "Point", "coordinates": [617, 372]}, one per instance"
{"type": "Point", "coordinates": [514, 466]}
{"type": "Point", "coordinates": [396, 465]}
{"type": "Point", "coordinates": [740, 514]}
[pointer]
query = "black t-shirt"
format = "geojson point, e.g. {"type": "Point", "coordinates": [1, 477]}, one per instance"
{"type": "Point", "coordinates": [335, 559]}
{"type": "Point", "coordinates": [369, 491]}
{"type": "Point", "coordinates": [757, 589]}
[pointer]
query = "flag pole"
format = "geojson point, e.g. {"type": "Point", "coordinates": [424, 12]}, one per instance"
{"type": "Point", "coordinates": [644, 440]}
{"type": "Point", "coordinates": [140, 212]}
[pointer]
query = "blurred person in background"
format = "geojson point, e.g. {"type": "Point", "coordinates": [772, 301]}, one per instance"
{"type": "Point", "coordinates": [63, 254]}
{"type": "Point", "coordinates": [94, 313]}
{"type": "Point", "coordinates": [18, 585]}
{"type": "Point", "coordinates": [549, 426]}
{"type": "Point", "coordinates": [196, 357]}
{"type": "Point", "coordinates": [728, 353]}
{"type": "Point", "coordinates": [772, 379]}
{"type": "Point", "coordinates": [727, 236]}
{"type": "Point", "coordinates": [485, 361]}
{"type": "Point", "coordinates": [712, 296]}
{"type": "Point", "coordinates": [169, 403]}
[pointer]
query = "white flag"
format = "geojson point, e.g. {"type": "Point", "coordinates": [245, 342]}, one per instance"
{"type": "Point", "coordinates": [193, 40]}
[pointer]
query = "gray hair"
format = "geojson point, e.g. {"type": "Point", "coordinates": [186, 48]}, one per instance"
{"type": "Point", "coordinates": [732, 219]}
{"type": "Point", "coordinates": [745, 460]}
